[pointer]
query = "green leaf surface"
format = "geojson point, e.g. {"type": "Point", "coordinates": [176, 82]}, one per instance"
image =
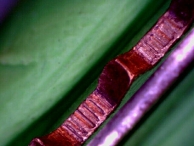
{"type": "Point", "coordinates": [51, 54]}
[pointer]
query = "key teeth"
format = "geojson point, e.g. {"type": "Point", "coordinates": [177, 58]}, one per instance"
{"type": "Point", "coordinates": [158, 40]}
{"type": "Point", "coordinates": [111, 89]}
{"type": "Point", "coordinates": [80, 124]}
{"type": "Point", "coordinates": [73, 131]}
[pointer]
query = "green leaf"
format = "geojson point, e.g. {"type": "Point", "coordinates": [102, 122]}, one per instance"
{"type": "Point", "coordinates": [51, 54]}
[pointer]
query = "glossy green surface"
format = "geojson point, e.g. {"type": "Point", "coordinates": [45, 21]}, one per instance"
{"type": "Point", "coordinates": [51, 53]}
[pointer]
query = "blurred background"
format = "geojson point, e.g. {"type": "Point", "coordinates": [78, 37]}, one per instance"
{"type": "Point", "coordinates": [51, 54]}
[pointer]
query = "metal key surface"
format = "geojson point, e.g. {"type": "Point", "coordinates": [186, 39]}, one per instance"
{"type": "Point", "coordinates": [119, 74]}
